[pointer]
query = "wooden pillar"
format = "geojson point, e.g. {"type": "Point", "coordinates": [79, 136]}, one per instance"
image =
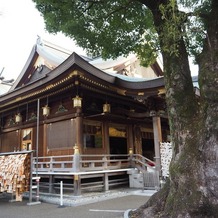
{"type": "Point", "coordinates": [51, 184]}
{"type": "Point", "coordinates": [137, 141]}
{"type": "Point", "coordinates": [76, 168]}
{"type": "Point", "coordinates": [19, 140]}
{"type": "Point", "coordinates": [76, 159]}
{"type": "Point", "coordinates": [44, 143]}
{"type": "Point", "coordinates": [130, 145]}
{"type": "Point", "coordinates": [131, 163]}
{"type": "Point", "coordinates": [106, 137]}
{"type": "Point", "coordinates": [130, 138]}
{"type": "Point", "coordinates": [77, 185]}
{"type": "Point", "coordinates": [77, 101]}
{"type": "Point", "coordinates": [79, 129]}
{"type": "Point", "coordinates": [157, 140]}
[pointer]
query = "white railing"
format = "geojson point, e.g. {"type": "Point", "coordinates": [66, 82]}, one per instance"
{"type": "Point", "coordinates": [80, 163]}
{"type": "Point", "coordinates": [149, 172]}
{"type": "Point", "coordinates": [97, 164]}
{"type": "Point", "coordinates": [62, 163]}
{"type": "Point", "coordinates": [142, 162]}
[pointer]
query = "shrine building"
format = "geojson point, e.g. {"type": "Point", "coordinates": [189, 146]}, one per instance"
{"type": "Point", "coordinates": [62, 103]}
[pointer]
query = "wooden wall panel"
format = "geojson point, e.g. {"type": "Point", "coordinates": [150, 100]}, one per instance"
{"type": "Point", "coordinates": [41, 144]}
{"type": "Point", "coordinates": [60, 135]}
{"type": "Point", "coordinates": [58, 152]}
{"type": "Point", "coordinates": [94, 151]}
{"type": "Point", "coordinates": [10, 141]}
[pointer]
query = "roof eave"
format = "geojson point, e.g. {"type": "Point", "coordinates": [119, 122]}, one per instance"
{"type": "Point", "coordinates": [27, 64]}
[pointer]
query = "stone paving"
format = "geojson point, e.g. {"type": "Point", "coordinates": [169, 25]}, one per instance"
{"type": "Point", "coordinates": [112, 204]}
{"type": "Point", "coordinates": [91, 197]}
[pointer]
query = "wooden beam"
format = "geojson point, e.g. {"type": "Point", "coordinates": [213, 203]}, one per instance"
{"type": "Point", "coordinates": [157, 140]}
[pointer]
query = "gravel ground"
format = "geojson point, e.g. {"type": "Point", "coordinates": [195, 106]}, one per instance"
{"type": "Point", "coordinates": [89, 197]}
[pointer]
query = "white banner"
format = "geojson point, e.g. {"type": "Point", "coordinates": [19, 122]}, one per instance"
{"type": "Point", "coordinates": [165, 156]}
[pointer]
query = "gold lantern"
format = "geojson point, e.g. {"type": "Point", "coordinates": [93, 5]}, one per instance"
{"type": "Point", "coordinates": [46, 110]}
{"type": "Point", "coordinates": [77, 102]}
{"type": "Point", "coordinates": [18, 118]}
{"type": "Point", "coordinates": [106, 108]}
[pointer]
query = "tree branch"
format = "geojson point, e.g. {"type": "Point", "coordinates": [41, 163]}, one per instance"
{"type": "Point", "coordinates": [92, 3]}
{"type": "Point", "coordinates": [196, 14]}
{"type": "Point", "coordinates": [122, 7]}
{"type": "Point", "coordinates": [152, 4]}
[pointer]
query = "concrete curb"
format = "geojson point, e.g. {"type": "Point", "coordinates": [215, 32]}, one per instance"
{"type": "Point", "coordinates": [126, 213]}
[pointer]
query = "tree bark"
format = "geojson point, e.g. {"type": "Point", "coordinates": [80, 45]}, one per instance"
{"type": "Point", "coordinates": [192, 189]}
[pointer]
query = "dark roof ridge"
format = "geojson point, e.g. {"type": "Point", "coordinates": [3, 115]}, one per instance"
{"type": "Point", "coordinates": [29, 60]}
{"type": "Point", "coordinates": [114, 79]}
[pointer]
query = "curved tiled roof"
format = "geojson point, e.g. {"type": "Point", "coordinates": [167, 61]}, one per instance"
{"type": "Point", "coordinates": [54, 56]}
{"type": "Point", "coordinates": [60, 67]}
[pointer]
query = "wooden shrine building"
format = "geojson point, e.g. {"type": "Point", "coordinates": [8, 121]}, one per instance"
{"type": "Point", "coordinates": [62, 100]}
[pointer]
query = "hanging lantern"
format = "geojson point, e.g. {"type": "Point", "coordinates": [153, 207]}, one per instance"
{"type": "Point", "coordinates": [106, 108]}
{"type": "Point", "coordinates": [18, 118]}
{"type": "Point", "coordinates": [153, 113]}
{"type": "Point", "coordinates": [161, 112]}
{"type": "Point", "coordinates": [77, 101]}
{"type": "Point", "coordinates": [46, 110]}
{"type": "Point", "coordinates": [130, 151]}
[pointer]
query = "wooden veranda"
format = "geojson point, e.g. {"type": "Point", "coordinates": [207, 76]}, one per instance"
{"type": "Point", "coordinates": [78, 167]}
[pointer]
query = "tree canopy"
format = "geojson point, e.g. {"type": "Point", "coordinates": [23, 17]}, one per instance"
{"type": "Point", "coordinates": [111, 28]}
{"type": "Point", "coordinates": [177, 29]}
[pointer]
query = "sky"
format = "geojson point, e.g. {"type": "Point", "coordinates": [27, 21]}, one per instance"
{"type": "Point", "coordinates": [20, 24]}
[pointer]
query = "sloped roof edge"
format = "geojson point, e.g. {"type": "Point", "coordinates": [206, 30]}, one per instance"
{"type": "Point", "coordinates": [54, 60]}
{"type": "Point", "coordinates": [28, 62]}
{"type": "Point", "coordinates": [76, 60]}
{"type": "Point", "coordinates": [121, 80]}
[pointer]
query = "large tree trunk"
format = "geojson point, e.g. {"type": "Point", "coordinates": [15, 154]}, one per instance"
{"type": "Point", "coordinates": [192, 189]}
